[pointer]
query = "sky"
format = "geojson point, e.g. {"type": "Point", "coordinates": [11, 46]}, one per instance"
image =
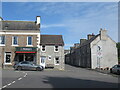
{"type": "Point", "coordinates": [73, 20]}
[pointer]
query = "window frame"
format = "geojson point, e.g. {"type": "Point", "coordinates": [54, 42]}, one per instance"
{"type": "Point", "coordinates": [13, 41]}
{"type": "Point", "coordinates": [28, 41]}
{"type": "Point", "coordinates": [1, 41]}
{"type": "Point", "coordinates": [50, 57]}
{"type": "Point", "coordinates": [42, 48]}
{"type": "Point", "coordinates": [56, 48]}
{"type": "Point", "coordinates": [55, 61]}
{"type": "Point", "coordinates": [5, 58]}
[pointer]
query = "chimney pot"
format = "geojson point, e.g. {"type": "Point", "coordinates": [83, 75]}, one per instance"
{"type": "Point", "coordinates": [38, 20]}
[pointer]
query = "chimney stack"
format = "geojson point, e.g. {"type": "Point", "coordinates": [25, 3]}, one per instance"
{"type": "Point", "coordinates": [103, 34]}
{"type": "Point", "coordinates": [89, 36]}
{"type": "Point", "coordinates": [82, 41]}
{"type": "Point", "coordinates": [76, 45]}
{"type": "Point", "coordinates": [38, 20]}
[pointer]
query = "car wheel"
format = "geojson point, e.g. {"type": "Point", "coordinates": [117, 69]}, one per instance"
{"type": "Point", "coordinates": [118, 72]}
{"type": "Point", "coordinates": [19, 68]}
{"type": "Point", "coordinates": [38, 69]}
{"type": "Point", "coordinates": [111, 71]}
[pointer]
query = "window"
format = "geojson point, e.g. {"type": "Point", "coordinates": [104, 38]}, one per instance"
{"type": "Point", "coordinates": [29, 40]}
{"type": "Point", "coordinates": [56, 49]}
{"type": "Point", "coordinates": [49, 57]}
{"type": "Point", "coordinates": [2, 40]}
{"type": "Point", "coordinates": [43, 48]}
{"type": "Point", "coordinates": [15, 40]}
{"type": "Point", "coordinates": [7, 57]}
{"type": "Point", "coordinates": [57, 61]}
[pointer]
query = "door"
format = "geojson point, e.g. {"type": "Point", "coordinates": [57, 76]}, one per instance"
{"type": "Point", "coordinates": [42, 61]}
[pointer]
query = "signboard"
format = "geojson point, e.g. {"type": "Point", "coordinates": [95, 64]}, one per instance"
{"type": "Point", "coordinates": [99, 51]}
{"type": "Point", "coordinates": [29, 49]}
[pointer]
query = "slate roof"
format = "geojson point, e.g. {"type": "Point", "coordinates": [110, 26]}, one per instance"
{"type": "Point", "coordinates": [19, 25]}
{"type": "Point", "coordinates": [51, 40]}
{"type": "Point", "coordinates": [90, 40]}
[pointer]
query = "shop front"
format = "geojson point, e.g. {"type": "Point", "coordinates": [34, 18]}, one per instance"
{"type": "Point", "coordinates": [25, 54]}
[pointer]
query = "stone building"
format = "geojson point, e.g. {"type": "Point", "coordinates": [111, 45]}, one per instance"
{"type": "Point", "coordinates": [97, 51]}
{"type": "Point", "coordinates": [19, 41]}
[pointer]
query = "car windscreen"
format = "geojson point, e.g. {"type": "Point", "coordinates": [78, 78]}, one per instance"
{"type": "Point", "coordinates": [24, 62]}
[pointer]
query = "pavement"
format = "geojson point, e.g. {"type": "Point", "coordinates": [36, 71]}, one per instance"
{"type": "Point", "coordinates": [71, 77]}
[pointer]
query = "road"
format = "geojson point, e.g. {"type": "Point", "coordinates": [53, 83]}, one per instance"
{"type": "Point", "coordinates": [71, 77]}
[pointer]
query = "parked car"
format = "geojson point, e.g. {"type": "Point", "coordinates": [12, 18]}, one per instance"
{"type": "Point", "coordinates": [26, 65]}
{"type": "Point", "coordinates": [115, 69]}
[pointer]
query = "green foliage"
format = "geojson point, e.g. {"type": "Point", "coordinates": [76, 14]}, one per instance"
{"type": "Point", "coordinates": [118, 46]}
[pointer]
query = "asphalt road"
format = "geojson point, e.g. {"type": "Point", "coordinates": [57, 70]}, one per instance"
{"type": "Point", "coordinates": [71, 77]}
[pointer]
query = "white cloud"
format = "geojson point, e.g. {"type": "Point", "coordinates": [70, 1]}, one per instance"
{"type": "Point", "coordinates": [52, 25]}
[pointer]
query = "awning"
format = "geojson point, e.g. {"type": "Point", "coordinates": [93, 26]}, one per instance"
{"type": "Point", "coordinates": [24, 52]}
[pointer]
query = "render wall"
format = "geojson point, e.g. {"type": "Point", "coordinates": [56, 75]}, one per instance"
{"type": "Point", "coordinates": [108, 56]}
{"type": "Point", "coordinates": [50, 52]}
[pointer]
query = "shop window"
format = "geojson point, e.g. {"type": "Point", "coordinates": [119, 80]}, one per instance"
{"type": "Point", "coordinates": [57, 61]}
{"type": "Point", "coordinates": [7, 57]}
{"type": "Point", "coordinates": [56, 48]}
{"type": "Point", "coordinates": [43, 48]}
{"type": "Point", "coordinates": [2, 40]}
{"type": "Point", "coordinates": [15, 40]}
{"type": "Point", "coordinates": [29, 40]}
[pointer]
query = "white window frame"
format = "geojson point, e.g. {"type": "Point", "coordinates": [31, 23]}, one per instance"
{"type": "Point", "coordinates": [5, 59]}
{"type": "Point", "coordinates": [13, 41]}
{"type": "Point", "coordinates": [4, 41]}
{"type": "Point", "coordinates": [55, 49]}
{"type": "Point", "coordinates": [55, 60]}
{"type": "Point", "coordinates": [31, 40]}
{"type": "Point", "coordinates": [50, 57]}
{"type": "Point", "coordinates": [42, 47]}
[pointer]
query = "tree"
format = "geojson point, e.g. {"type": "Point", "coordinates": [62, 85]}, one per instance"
{"type": "Point", "coordinates": [118, 47]}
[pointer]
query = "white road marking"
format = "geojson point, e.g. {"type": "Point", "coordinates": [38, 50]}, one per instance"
{"type": "Point", "coordinates": [9, 84]}
{"type": "Point", "coordinates": [13, 81]}
{"type": "Point", "coordinates": [4, 86]}
{"type": "Point", "coordinates": [19, 78]}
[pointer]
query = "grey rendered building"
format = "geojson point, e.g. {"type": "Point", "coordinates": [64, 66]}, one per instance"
{"type": "Point", "coordinates": [52, 51]}
{"type": "Point", "coordinates": [97, 51]}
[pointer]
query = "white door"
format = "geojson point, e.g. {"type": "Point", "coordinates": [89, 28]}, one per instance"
{"type": "Point", "coordinates": [42, 61]}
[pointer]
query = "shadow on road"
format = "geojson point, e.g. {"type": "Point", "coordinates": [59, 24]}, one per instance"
{"type": "Point", "coordinates": [66, 82]}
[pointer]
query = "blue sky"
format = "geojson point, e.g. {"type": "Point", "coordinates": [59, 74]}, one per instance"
{"type": "Point", "coordinates": [73, 20]}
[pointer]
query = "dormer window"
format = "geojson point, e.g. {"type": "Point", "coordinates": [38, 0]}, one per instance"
{"type": "Point", "coordinates": [56, 49]}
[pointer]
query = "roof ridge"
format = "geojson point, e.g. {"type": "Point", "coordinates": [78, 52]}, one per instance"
{"type": "Point", "coordinates": [16, 21]}
{"type": "Point", "coordinates": [49, 35]}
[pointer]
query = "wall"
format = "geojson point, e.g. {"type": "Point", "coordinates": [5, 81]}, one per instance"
{"type": "Point", "coordinates": [108, 56]}
{"type": "Point", "coordinates": [22, 41]}
{"type": "Point", "coordinates": [50, 52]}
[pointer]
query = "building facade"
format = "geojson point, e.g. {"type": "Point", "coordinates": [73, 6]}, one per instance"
{"type": "Point", "coordinates": [52, 51]}
{"type": "Point", "coordinates": [19, 41]}
{"type": "Point", "coordinates": [97, 51]}
{"type": "Point", "coordinates": [22, 41]}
